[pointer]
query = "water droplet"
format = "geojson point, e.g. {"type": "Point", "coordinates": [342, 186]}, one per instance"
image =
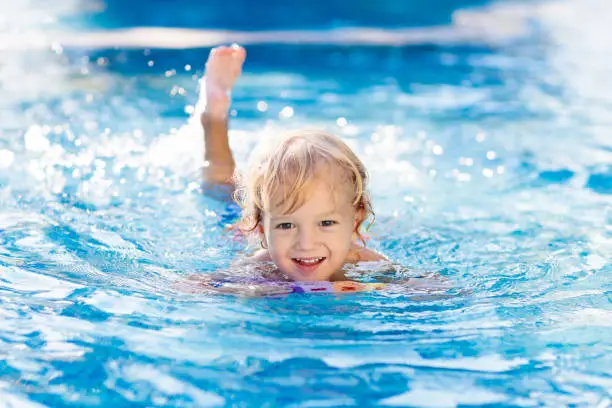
{"type": "Point", "coordinates": [286, 112]}
{"type": "Point", "coordinates": [6, 158]}
{"type": "Point", "coordinates": [464, 177]}
{"type": "Point", "coordinates": [36, 139]}
{"type": "Point", "coordinates": [262, 106]}
{"type": "Point", "coordinates": [466, 161]}
{"type": "Point", "coordinates": [57, 48]}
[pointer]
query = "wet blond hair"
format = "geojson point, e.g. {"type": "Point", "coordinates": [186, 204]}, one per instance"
{"type": "Point", "coordinates": [281, 177]}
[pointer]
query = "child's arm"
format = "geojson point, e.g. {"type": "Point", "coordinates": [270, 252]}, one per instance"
{"type": "Point", "coordinates": [223, 68]}
{"type": "Point", "coordinates": [204, 284]}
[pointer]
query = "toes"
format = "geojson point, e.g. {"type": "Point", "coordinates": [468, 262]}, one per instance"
{"type": "Point", "coordinates": [221, 51]}
{"type": "Point", "coordinates": [238, 52]}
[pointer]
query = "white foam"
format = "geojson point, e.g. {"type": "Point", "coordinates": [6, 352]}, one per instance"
{"type": "Point", "coordinates": [47, 287]}
{"type": "Point", "coordinates": [163, 383]}
{"type": "Point", "coordinates": [491, 363]}
{"type": "Point", "coordinates": [6, 158]}
{"type": "Point", "coordinates": [36, 139]}
{"type": "Point", "coordinates": [8, 400]}
{"type": "Point", "coordinates": [430, 397]}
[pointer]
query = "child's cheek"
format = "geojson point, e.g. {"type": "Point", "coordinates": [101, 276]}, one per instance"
{"type": "Point", "coordinates": [275, 245]}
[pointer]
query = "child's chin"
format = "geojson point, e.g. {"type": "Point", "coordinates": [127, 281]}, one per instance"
{"type": "Point", "coordinates": [317, 277]}
{"type": "Point", "coordinates": [301, 277]}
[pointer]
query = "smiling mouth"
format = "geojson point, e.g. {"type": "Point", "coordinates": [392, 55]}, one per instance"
{"type": "Point", "coordinates": [308, 261]}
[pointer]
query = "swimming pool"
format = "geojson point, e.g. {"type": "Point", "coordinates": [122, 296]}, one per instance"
{"type": "Point", "coordinates": [491, 165]}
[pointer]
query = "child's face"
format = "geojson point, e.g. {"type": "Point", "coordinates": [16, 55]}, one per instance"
{"type": "Point", "coordinates": [312, 243]}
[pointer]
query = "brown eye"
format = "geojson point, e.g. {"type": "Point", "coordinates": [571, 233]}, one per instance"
{"type": "Point", "coordinates": [328, 223]}
{"type": "Point", "coordinates": [284, 226]}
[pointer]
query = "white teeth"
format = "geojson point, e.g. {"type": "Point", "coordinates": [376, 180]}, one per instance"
{"type": "Point", "coordinates": [309, 260]}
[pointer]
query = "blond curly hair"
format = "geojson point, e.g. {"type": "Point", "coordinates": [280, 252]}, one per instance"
{"type": "Point", "coordinates": [288, 170]}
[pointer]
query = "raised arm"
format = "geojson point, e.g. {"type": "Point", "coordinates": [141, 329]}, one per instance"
{"type": "Point", "coordinates": [223, 68]}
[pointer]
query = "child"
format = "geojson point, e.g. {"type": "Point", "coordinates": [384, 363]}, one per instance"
{"type": "Point", "coordinates": [305, 198]}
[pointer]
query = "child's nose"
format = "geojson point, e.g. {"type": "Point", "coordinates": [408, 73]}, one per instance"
{"type": "Point", "coordinates": [307, 239]}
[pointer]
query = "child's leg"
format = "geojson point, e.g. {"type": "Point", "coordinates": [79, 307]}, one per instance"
{"type": "Point", "coordinates": [223, 68]}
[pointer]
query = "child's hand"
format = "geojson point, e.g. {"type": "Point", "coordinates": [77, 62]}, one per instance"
{"type": "Point", "coordinates": [223, 68]}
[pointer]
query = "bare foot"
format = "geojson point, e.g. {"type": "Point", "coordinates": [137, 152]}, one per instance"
{"type": "Point", "coordinates": [223, 68]}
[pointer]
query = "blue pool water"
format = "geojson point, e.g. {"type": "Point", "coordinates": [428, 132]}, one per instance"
{"type": "Point", "coordinates": [491, 163]}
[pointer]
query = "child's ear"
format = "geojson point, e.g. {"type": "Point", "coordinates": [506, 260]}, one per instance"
{"type": "Point", "coordinates": [359, 219]}
{"type": "Point", "coordinates": [260, 231]}
{"type": "Point", "coordinates": [261, 235]}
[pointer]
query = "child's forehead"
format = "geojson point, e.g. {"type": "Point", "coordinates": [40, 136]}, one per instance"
{"type": "Point", "coordinates": [322, 195]}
